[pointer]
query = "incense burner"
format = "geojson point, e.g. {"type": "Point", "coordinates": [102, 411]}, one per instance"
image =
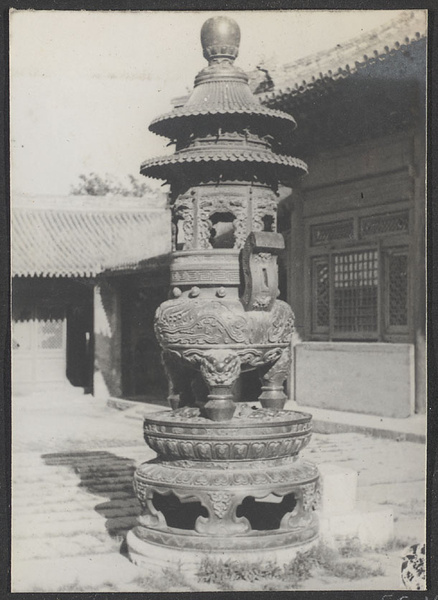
{"type": "Point", "coordinates": [227, 476]}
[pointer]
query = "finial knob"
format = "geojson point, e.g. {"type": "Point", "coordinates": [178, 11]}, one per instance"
{"type": "Point", "coordinates": [220, 38]}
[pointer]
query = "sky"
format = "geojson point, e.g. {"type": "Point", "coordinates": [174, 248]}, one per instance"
{"type": "Point", "coordinates": [85, 85]}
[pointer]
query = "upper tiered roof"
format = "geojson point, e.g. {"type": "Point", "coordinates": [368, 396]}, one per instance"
{"type": "Point", "coordinates": [222, 103]}
{"type": "Point", "coordinates": [221, 88]}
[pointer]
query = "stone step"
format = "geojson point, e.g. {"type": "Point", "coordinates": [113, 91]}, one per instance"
{"type": "Point", "coordinates": [410, 429]}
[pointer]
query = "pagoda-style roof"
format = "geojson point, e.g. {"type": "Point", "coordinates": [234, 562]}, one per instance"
{"type": "Point", "coordinates": [79, 236]}
{"type": "Point", "coordinates": [220, 105]}
{"type": "Point", "coordinates": [214, 98]}
{"type": "Point", "coordinates": [159, 167]}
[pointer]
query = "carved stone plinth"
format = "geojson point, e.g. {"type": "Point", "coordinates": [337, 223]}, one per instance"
{"type": "Point", "coordinates": [217, 487]}
{"type": "Point", "coordinates": [154, 557]}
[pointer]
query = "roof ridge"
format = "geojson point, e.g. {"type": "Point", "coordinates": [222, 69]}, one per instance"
{"type": "Point", "coordinates": [84, 203]}
{"type": "Point", "coordinates": [347, 56]}
{"type": "Point", "coordinates": [365, 38]}
{"type": "Point", "coordinates": [60, 243]}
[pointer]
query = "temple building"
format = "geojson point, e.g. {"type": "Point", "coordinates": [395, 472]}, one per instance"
{"type": "Point", "coordinates": [88, 273]}
{"type": "Point", "coordinates": [354, 270]}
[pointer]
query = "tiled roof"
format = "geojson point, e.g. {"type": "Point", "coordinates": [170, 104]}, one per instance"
{"type": "Point", "coordinates": [81, 237]}
{"type": "Point", "coordinates": [157, 167]}
{"type": "Point", "coordinates": [299, 77]}
{"type": "Point", "coordinates": [219, 98]}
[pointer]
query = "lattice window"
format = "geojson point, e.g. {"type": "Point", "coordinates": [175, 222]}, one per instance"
{"type": "Point", "coordinates": [51, 334]}
{"type": "Point", "coordinates": [347, 302]}
{"type": "Point", "coordinates": [328, 232]}
{"type": "Point", "coordinates": [355, 292]}
{"type": "Point", "coordinates": [321, 293]}
{"type": "Point", "coordinates": [50, 327]}
{"type": "Point", "coordinates": [398, 290]}
{"type": "Point", "coordinates": [383, 224]}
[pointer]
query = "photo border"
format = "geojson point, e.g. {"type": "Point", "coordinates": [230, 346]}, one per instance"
{"type": "Point", "coordinates": [432, 288]}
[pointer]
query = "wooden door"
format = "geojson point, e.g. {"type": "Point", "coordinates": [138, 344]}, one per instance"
{"type": "Point", "coordinates": [143, 374]}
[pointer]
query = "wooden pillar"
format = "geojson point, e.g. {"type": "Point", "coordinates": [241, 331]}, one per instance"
{"type": "Point", "coordinates": [107, 380]}
{"type": "Point", "coordinates": [295, 276]}
{"type": "Point", "coordinates": [295, 263]}
{"type": "Point", "coordinates": [419, 272]}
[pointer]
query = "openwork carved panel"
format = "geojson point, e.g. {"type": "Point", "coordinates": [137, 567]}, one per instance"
{"type": "Point", "coordinates": [215, 203]}
{"type": "Point", "coordinates": [383, 224]}
{"type": "Point", "coordinates": [263, 206]}
{"type": "Point", "coordinates": [232, 499]}
{"type": "Point", "coordinates": [321, 293]}
{"type": "Point", "coordinates": [311, 496]}
{"type": "Point", "coordinates": [183, 211]}
{"type": "Point", "coordinates": [398, 290]}
{"type": "Point", "coordinates": [328, 232]}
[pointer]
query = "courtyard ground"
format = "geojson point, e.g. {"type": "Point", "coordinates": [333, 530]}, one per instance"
{"type": "Point", "coordinates": [73, 502]}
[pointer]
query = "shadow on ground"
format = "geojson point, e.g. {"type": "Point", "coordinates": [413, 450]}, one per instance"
{"type": "Point", "coordinates": [104, 474]}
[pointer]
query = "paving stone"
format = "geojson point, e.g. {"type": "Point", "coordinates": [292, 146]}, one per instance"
{"type": "Point", "coordinates": [25, 528]}
{"type": "Point", "coordinates": [79, 504]}
{"type": "Point", "coordinates": [83, 573]}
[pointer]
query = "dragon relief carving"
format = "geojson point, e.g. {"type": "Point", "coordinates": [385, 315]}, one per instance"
{"type": "Point", "coordinates": [264, 206]}
{"type": "Point", "coordinates": [192, 322]}
{"type": "Point", "coordinates": [282, 324]}
{"type": "Point", "coordinates": [220, 367]}
{"type": "Point", "coordinates": [279, 371]}
{"type": "Point", "coordinates": [183, 211]}
{"type": "Point", "coordinates": [256, 357]}
{"type": "Point", "coordinates": [311, 496]}
{"type": "Point", "coordinates": [272, 381]}
{"type": "Point", "coordinates": [195, 322]}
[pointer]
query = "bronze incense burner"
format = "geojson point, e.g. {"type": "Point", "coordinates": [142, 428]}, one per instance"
{"type": "Point", "coordinates": [227, 477]}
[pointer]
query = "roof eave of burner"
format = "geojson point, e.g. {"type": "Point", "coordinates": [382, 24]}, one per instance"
{"type": "Point", "coordinates": [221, 89]}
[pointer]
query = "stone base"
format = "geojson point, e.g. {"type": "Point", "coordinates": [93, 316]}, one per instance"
{"type": "Point", "coordinates": [152, 557]}
{"type": "Point", "coordinates": [339, 485]}
{"type": "Point", "coordinates": [341, 517]}
{"type": "Point", "coordinates": [234, 490]}
{"type": "Point", "coordinates": [371, 524]}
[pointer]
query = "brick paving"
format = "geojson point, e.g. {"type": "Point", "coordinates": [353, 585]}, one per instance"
{"type": "Point", "coordinates": [73, 501]}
